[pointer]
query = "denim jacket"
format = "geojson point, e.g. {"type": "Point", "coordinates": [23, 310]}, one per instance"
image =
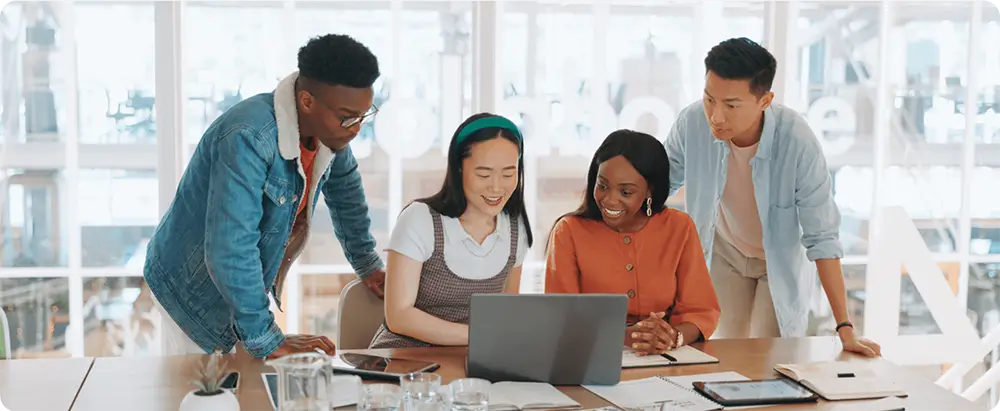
{"type": "Point", "coordinates": [794, 193]}
{"type": "Point", "coordinates": [216, 253]}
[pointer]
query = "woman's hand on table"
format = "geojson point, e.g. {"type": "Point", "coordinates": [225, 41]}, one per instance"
{"type": "Point", "coordinates": [653, 335]}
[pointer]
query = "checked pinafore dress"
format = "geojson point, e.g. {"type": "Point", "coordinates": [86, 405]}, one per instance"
{"type": "Point", "coordinates": [443, 293]}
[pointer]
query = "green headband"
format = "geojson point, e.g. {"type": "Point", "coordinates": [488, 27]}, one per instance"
{"type": "Point", "coordinates": [488, 122]}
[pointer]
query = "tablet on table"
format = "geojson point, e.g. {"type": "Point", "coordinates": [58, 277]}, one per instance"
{"type": "Point", "coordinates": [755, 392]}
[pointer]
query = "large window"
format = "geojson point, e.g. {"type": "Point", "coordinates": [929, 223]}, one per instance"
{"type": "Point", "coordinates": [835, 93]}
{"type": "Point", "coordinates": [115, 72]}
{"type": "Point", "coordinates": [82, 187]}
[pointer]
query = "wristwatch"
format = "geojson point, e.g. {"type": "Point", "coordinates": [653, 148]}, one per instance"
{"type": "Point", "coordinates": [680, 340]}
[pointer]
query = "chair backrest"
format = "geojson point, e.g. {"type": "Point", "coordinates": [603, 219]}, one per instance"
{"type": "Point", "coordinates": [358, 317]}
{"type": "Point", "coordinates": [5, 337]}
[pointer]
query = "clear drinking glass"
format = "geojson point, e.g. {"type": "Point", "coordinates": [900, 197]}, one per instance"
{"type": "Point", "coordinates": [380, 397]}
{"type": "Point", "coordinates": [422, 392]}
{"type": "Point", "coordinates": [469, 394]}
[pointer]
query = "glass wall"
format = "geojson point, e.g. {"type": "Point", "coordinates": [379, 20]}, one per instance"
{"type": "Point", "coordinates": [81, 193]}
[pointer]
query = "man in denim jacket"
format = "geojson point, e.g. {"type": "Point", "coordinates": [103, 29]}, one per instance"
{"type": "Point", "coordinates": [243, 208]}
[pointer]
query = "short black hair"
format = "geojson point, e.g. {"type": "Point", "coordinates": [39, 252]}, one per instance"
{"type": "Point", "coordinates": [743, 59]}
{"type": "Point", "coordinates": [338, 60]}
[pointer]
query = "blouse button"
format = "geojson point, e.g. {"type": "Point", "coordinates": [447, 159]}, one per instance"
{"type": "Point", "coordinates": [295, 198]}
{"type": "Point", "coordinates": [281, 200]}
{"type": "Point", "coordinates": [628, 267]}
{"type": "Point", "coordinates": [628, 240]}
{"type": "Point", "coordinates": [631, 293]}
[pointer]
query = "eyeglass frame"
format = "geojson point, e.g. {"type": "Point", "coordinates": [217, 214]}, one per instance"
{"type": "Point", "coordinates": [349, 121]}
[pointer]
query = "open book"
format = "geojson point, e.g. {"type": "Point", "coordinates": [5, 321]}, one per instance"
{"type": "Point", "coordinates": [508, 395]}
{"type": "Point", "coordinates": [839, 380]}
{"type": "Point", "coordinates": [678, 356]}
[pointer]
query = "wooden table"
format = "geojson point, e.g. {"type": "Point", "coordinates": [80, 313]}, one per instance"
{"type": "Point", "coordinates": [42, 384]}
{"type": "Point", "coordinates": [159, 383]}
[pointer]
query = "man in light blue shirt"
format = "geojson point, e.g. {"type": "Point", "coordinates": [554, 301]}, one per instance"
{"type": "Point", "coordinates": [760, 193]}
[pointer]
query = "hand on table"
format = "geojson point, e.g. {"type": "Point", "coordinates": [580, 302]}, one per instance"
{"type": "Point", "coordinates": [376, 283]}
{"type": "Point", "coordinates": [298, 343]}
{"type": "Point", "coordinates": [855, 344]}
{"type": "Point", "coordinates": [653, 335]}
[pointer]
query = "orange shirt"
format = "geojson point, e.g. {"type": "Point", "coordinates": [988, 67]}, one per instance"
{"type": "Point", "coordinates": [308, 157]}
{"type": "Point", "coordinates": [660, 265]}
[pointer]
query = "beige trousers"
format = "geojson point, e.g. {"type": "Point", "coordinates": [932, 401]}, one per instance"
{"type": "Point", "coordinates": [742, 288]}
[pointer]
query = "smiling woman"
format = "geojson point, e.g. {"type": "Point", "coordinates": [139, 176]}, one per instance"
{"type": "Point", "coordinates": [622, 240]}
{"type": "Point", "coordinates": [469, 238]}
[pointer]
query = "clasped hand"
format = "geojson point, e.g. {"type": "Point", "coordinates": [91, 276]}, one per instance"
{"type": "Point", "coordinates": [652, 335]}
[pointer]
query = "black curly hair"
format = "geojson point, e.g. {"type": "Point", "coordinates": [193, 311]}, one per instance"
{"type": "Point", "coordinates": [338, 60]}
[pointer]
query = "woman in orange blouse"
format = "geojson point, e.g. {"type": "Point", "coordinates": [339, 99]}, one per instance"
{"type": "Point", "coordinates": [623, 240]}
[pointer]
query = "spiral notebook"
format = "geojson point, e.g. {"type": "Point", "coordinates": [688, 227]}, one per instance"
{"type": "Point", "coordinates": [653, 394]}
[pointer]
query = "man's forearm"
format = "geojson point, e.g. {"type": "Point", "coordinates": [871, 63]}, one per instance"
{"type": "Point", "coordinates": [831, 276]}
{"type": "Point", "coordinates": [368, 264]}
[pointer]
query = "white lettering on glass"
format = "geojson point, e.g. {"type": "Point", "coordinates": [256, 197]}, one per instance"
{"type": "Point", "coordinates": [575, 127]}
{"type": "Point", "coordinates": [834, 122]}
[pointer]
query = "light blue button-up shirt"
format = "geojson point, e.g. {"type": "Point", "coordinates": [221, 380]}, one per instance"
{"type": "Point", "coordinates": [794, 193]}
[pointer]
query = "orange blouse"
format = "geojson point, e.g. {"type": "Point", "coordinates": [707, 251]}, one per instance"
{"type": "Point", "coordinates": [660, 265]}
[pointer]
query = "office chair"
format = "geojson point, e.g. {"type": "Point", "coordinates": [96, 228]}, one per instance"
{"type": "Point", "coordinates": [358, 317]}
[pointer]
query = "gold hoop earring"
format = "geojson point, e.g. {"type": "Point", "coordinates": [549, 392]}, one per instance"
{"type": "Point", "coordinates": [649, 206]}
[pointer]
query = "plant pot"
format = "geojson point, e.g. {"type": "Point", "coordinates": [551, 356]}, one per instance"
{"type": "Point", "coordinates": [223, 401]}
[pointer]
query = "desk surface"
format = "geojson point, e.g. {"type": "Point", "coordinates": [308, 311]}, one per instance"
{"type": "Point", "coordinates": [42, 384]}
{"type": "Point", "coordinates": [159, 383]}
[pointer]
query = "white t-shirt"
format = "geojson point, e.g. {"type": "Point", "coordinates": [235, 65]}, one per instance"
{"type": "Point", "coordinates": [413, 236]}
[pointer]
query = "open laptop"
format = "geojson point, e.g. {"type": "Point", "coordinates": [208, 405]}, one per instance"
{"type": "Point", "coordinates": [560, 339]}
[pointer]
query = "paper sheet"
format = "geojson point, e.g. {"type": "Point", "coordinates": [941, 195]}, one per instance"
{"type": "Point", "coordinates": [650, 394]}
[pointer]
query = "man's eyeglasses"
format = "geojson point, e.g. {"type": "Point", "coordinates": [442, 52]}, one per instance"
{"type": "Point", "coordinates": [348, 122]}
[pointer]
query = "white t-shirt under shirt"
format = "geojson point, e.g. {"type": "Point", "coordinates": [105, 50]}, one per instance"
{"type": "Point", "coordinates": [413, 236]}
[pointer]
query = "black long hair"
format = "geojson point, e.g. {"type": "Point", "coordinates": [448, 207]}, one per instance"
{"type": "Point", "coordinates": [646, 154]}
{"type": "Point", "coordinates": [450, 200]}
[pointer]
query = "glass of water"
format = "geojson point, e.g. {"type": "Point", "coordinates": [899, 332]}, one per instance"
{"type": "Point", "coordinates": [469, 394]}
{"type": "Point", "coordinates": [422, 392]}
{"type": "Point", "coordinates": [380, 397]}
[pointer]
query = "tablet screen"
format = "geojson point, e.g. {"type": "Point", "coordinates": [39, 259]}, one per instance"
{"type": "Point", "coordinates": [364, 362]}
{"type": "Point", "coordinates": [764, 390]}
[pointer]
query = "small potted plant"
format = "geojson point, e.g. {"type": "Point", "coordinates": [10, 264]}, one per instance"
{"type": "Point", "coordinates": [209, 394]}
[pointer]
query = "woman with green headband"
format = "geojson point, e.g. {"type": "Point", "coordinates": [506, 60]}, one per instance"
{"type": "Point", "coordinates": [469, 238]}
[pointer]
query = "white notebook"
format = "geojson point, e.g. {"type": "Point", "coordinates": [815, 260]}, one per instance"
{"type": "Point", "coordinates": [653, 394]}
{"type": "Point", "coordinates": [685, 355]}
{"type": "Point", "coordinates": [515, 396]}
{"type": "Point", "coordinates": [840, 380]}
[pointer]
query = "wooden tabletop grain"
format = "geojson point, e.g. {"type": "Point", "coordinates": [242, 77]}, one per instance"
{"type": "Point", "coordinates": [42, 384]}
{"type": "Point", "coordinates": [160, 383]}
